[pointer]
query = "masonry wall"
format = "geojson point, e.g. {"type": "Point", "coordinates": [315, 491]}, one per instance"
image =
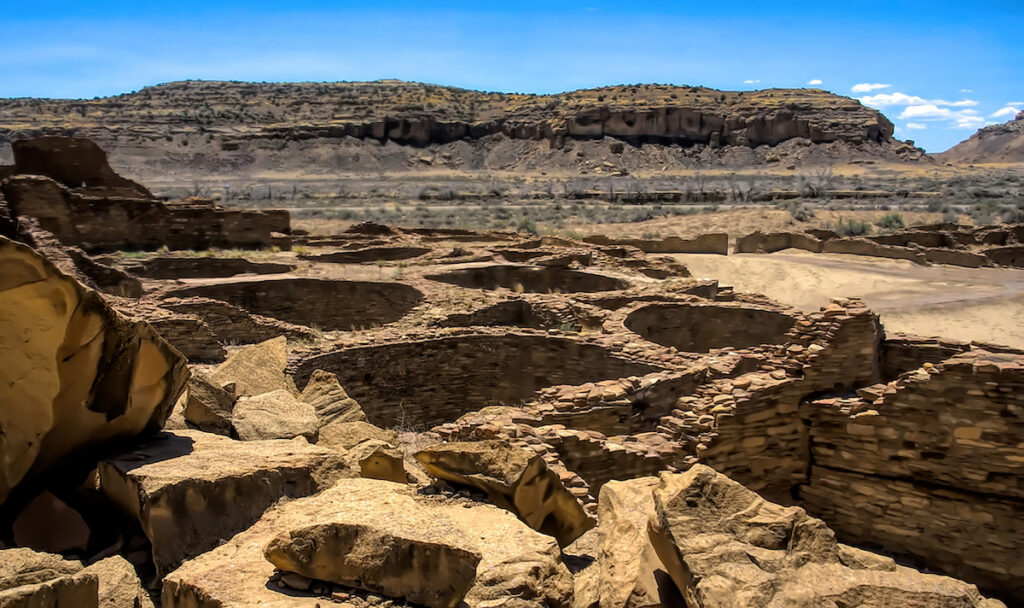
{"type": "Point", "coordinates": [929, 466]}
{"type": "Point", "coordinates": [111, 224]}
{"type": "Point", "coordinates": [322, 303]}
{"type": "Point", "coordinates": [702, 327]}
{"type": "Point", "coordinates": [428, 382]}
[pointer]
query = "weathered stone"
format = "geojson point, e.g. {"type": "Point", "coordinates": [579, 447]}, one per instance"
{"type": "Point", "coordinates": [329, 399]}
{"type": "Point", "coordinates": [74, 374]}
{"type": "Point", "coordinates": [384, 547]}
{"type": "Point", "coordinates": [49, 524]}
{"type": "Point", "coordinates": [208, 405]}
{"type": "Point", "coordinates": [256, 369]}
{"type": "Point", "coordinates": [376, 459]}
{"type": "Point", "coordinates": [724, 545]}
{"type": "Point", "coordinates": [274, 415]}
{"type": "Point", "coordinates": [29, 579]}
{"type": "Point", "coordinates": [190, 489]}
{"type": "Point", "coordinates": [513, 478]}
{"type": "Point", "coordinates": [119, 585]}
{"type": "Point", "coordinates": [518, 567]}
{"type": "Point", "coordinates": [347, 435]}
{"type": "Point", "coordinates": [628, 564]}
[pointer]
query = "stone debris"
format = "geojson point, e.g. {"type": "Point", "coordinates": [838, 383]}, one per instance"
{"type": "Point", "coordinates": [515, 479]}
{"type": "Point", "coordinates": [256, 369]}
{"type": "Point", "coordinates": [208, 405]}
{"type": "Point", "coordinates": [188, 490]}
{"type": "Point", "coordinates": [119, 585]}
{"type": "Point", "coordinates": [274, 415]}
{"type": "Point", "coordinates": [516, 565]}
{"type": "Point", "coordinates": [29, 579]}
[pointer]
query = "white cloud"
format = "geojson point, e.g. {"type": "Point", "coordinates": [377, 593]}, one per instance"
{"type": "Point", "coordinates": [814, 82]}
{"type": "Point", "coordinates": [883, 100]}
{"type": "Point", "coordinates": [1015, 103]}
{"type": "Point", "coordinates": [957, 104]}
{"type": "Point", "coordinates": [867, 87]}
{"type": "Point", "coordinates": [1007, 112]}
{"type": "Point", "coordinates": [966, 90]}
{"type": "Point", "coordinates": [960, 119]}
{"type": "Point", "coordinates": [920, 126]}
{"type": "Point", "coordinates": [750, 81]}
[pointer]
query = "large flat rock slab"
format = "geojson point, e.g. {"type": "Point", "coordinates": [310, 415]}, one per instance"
{"type": "Point", "coordinates": [30, 579]}
{"type": "Point", "coordinates": [189, 489]}
{"type": "Point", "coordinates": [518, 567]}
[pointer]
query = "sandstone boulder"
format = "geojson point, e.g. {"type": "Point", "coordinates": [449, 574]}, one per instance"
{"type": "Point", "coordinates": [724, 546]}
{"type": "Point", "coordinates": [42, 580]}
{"type": "Point", "coordinates": [329, 399]}
{"type": "Point", "coordinates": [209, 405]}
{"type": "Point", "coordinates": [518, 567]}
{"type": "Point", "coordinates": [513, 478]}
{"type": "Point", "coordinates": [74, 374]}
{"type": "Point", "coordinates": [631, 575]}
{"type": "Point", "coordinates": [274, 415]}
{"type": "Point", "coordinates": [189, 489]}
{"type": "Point", "coordinates": [375, 459]}
{"type": "Point", "coordinates": [256, 369]}
{"type": "Point", "coordinates": [347, 435]}
{"type": "Point", "coordinates": [119, 585]}
{"type": "Point", "coordinates": [384, 547]}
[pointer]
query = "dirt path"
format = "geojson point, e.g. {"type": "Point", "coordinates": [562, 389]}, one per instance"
{"type": "Point", "coordinates": [985, 304]}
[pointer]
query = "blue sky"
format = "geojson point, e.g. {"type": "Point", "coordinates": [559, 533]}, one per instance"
{"type": "Point", "coordinates": [948, 68]}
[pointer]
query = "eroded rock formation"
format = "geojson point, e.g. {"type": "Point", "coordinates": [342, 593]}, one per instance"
{"type": "Point", "coordinates": [76, 375]}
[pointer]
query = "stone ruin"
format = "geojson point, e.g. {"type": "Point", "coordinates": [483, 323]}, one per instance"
{"type": "Point", "coordinates": [289, 436]}
{"type": "Point", "coordinates": [67, 185]}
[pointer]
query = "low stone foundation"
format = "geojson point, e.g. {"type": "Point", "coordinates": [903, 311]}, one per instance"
{"type": "Point", "coordinates": [702, 327]}
{"type": "Point", "coordinates": [320, 303]}
{"type": "Point", "coordinates": [530, 279]}
{"type": "Point", "coordinates": [427, 382]}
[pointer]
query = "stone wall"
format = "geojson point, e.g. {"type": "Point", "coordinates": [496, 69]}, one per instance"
{"type": "Point", "coordinates": [977, 538]}
{"type": "Point", "coordinates": [232, 325]}
{"type": "Point", "coordinates": [706, 243]}
{"type": "Point", "coordinates": [167, 267]}
{"type": "Point", "coordinates": [860, 246]}
{"type": "Point", "coordinates": [700, 327]}
{"type": "Point", "coordinates": [428, 382]}
{"type": "Point", "coordinates": [368, 254]}
{"type": "Point", "coordinates": [929, 466]}
{"type": "Point", "coordinates": [322, 303]}
{"type": "Point", "coordinates": [99, 223]}
{"type": "Point", "coordinates": [530, 279]}
{"type": "Point", "coordinates": [760, 242]}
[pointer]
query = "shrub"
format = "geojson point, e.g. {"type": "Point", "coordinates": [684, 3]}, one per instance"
{"type": "Point", "coordinates": [528, 226]}
{"type": "Point", "coordinates": [891, 221]}
{"type": "Point", "coordinates": [850, 227]}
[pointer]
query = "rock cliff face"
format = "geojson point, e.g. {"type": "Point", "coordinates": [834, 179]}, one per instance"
{"type": "Point", "coordinates": [227, 125]}
{"type": "Point", "coordinates": [996, 144]}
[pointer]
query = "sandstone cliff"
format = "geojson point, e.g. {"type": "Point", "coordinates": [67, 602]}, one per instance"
{"type": "Point", "coordinates": [996, 144]}
{"type": "Point", "coordinates": [228, 126]}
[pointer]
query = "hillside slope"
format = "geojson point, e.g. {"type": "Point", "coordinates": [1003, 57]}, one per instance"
{"type": "Point", "coordinates": [231, 127]}
{"type": "Point", "coordinates": [996, 144]}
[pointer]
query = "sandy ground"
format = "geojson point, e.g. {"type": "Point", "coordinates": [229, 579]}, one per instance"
{"type": "Point", "coordinates": [983, 304]}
